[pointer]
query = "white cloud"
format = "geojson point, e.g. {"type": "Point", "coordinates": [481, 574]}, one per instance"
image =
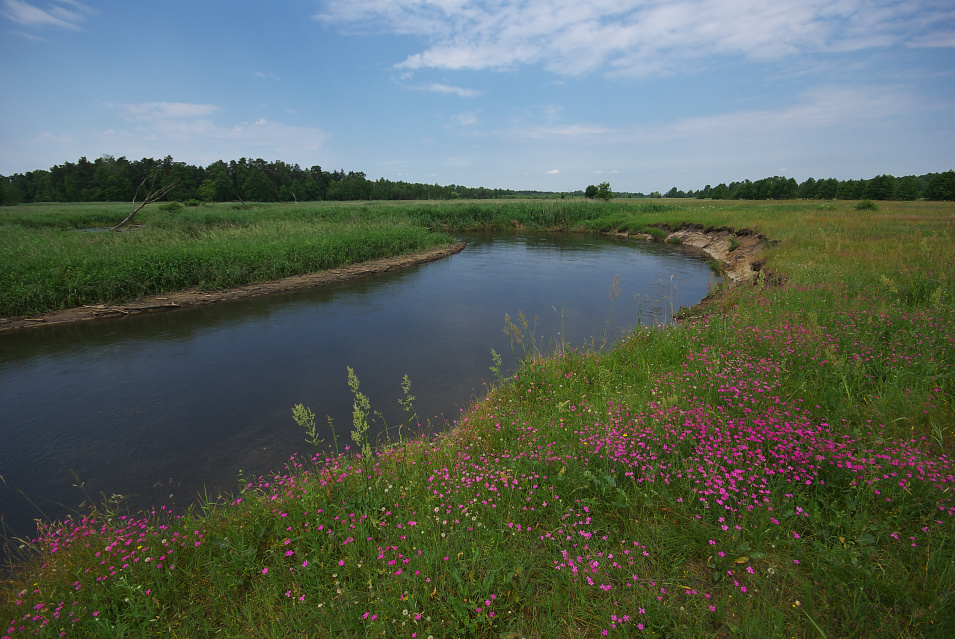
{"type": "Point", "coordinates": [567, 131]}
{"type": "Point", "coordinates": [817, 109]}
{"type": "Point", "coordinates": [553, 172]}
{"type": "Point", "coordinates": [821, 108]}
{"type": "Point", "coordinates": [466, 119]}
{"type": "Point", "coordinates": [64, 14]}
{"type": "Point", "coordinates": [444, 88]}
{"type": "Point", "coordinates": [168, 110]}
{"type": "Point", "coordinates": [184, 122]}
{"type": "Point", "coordinates": [638, 37]}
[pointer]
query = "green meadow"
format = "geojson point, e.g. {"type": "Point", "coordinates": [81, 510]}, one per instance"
{"type": "Point", "coordinates": [776, 464]}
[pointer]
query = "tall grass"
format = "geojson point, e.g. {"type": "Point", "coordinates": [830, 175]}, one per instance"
{"type": "Point", "coordinates": [778, 466]}
{"type": "Point", "coordinates": [50, 265]}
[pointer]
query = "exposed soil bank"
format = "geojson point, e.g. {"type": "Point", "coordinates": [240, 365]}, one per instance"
{"type": "Point", "coordinates": [195, 297]}
{"type": "Point", "coordinates": [737, 251]}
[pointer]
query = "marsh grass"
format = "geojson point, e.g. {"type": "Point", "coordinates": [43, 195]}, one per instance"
{"type": "Point", "coordinates": [779, 465]}
{"type": "Point", "coordinates": [48, 265]}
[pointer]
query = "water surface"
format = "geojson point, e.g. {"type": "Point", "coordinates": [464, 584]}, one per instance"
{"type": "Point", "coordinates": [161, 407]}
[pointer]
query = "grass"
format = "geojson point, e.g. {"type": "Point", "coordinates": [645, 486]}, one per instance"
{"type": "Point", "coordinates": [49, 265]}
{"type": "Point", "coordinates": [779, 465]}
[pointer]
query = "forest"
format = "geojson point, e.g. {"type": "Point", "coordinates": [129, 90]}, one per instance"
{"type": "Point", "coordinates": [111, 179]}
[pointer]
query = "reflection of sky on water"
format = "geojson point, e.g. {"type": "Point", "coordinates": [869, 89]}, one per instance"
{"type": "Point", "coordinates": [163, 404]}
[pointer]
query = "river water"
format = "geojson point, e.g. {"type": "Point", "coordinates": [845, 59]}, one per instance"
{"type": "Point", "coordinates": [160, 408]}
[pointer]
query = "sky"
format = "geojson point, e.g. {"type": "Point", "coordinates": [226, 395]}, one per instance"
{"type": "Point", "coordinates": [549, 95]}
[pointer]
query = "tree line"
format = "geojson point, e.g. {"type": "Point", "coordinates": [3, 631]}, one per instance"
{"type": "Point", "coordinates": [931, 186]}
{"type": "Point", "coordinates": [110, 179]}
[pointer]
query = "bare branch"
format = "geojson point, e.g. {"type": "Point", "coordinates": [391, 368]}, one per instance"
{"type": "Point", "coordinates": [151, 196]}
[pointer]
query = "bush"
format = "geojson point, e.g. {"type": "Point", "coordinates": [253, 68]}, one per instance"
{"type": "Point", "coordinates": [170, 207]}
{"type": "Point", "coordinates": [866, 205]}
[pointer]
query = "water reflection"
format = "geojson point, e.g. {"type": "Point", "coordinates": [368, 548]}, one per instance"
{"type": "Point", "coordinates": [159, 406]}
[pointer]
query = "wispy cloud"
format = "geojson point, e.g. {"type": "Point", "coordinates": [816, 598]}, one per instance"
{"type": "Point", "coordinates": [181, 121]}
{"type": "Point", "coordinates": [566, 131]}
{"type": "Point", "coordinates": [444, 88]}
{"type": "Point", "coordinates": [466, 119]}
{"type": "Point", "coordinates": [168, 110]}
{"type": "Point", "coordinates": [823, 108]}
{"type": "Point", "coordinates": [63, 14]}
{"type": "Point", "coordinates": [639, 37]}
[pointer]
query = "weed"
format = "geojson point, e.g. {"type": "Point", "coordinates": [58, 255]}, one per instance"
{"type": "Point", "coordinates": [361, 407]}
{"type": "Point", "coordinates": [305, 418]}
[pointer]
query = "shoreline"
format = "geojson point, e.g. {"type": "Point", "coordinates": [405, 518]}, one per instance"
{"type": "Point", "coordinates": [736, 251]}
{"type": "Point", "coordinates": [194, 297]}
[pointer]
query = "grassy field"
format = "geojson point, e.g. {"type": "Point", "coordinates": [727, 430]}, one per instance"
{"type": "Point", "coordinates": [51, 260]}
{"type": "Point", "coordinates": [49, 264]}
{"type": "Point", "coordinates": [779, 464]}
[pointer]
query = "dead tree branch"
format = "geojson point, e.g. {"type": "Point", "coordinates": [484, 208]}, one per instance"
{"type": "Point", "coordinates": [153, 195]}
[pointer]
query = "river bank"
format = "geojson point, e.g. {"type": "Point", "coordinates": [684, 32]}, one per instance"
{"type": "Point", "coordinates": [195, 297]}
{"type": "Point", "coordinates": [777, 466]}
{"type": "Point", "coordinates": [736, 252]}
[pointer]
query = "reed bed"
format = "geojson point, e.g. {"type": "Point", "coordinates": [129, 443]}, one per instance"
{"type": "Point", "coordinates": [52, 260]}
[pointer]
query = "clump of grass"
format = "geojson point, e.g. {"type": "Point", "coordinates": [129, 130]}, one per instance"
{"type": "Point", "coordinates": [867, 205]}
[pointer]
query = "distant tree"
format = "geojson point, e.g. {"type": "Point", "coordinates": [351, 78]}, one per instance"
{"type": "Point", "coordinates": [744, 191]}
{"type": "Point", "coordinates": [604, 192]}
{"type": "Point", "coordinates": [590, 192]}
{"type": "Point", "coordinates": [807, 190]}
{"type": "Point", "coordinates": [827, 189]}
{"type": "Point", "coordinates": [850, 190]}
{"type": "Point", "coordinates": [257, 187]}
{"type": "Point", "coordinates": [5, 192]}
{"type": "Point", "coordinates": [207, 190]}
{"type": "Point", "coordinates": [941, 187]}
{"type": "Point", "coordinates": [908, 189]}
{"type": "Point", "coordinates": [881, 187]}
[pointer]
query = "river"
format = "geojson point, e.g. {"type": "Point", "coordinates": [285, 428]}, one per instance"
{"type": "Point", "coordinates": [160, 408]}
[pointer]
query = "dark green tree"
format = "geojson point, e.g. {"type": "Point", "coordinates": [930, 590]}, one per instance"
{"type": "Point", "coordinates": [941, 187]}
{"type": "Point", "coordinates": [908, 190]}
{"type": "Point", "coordinates": [257, 187]}
{"type": "Point", "coordinates": [807, 190]}
{"type": "Point", "coordinates": [604, 192]}
{"type": "Point", "coordinates": [881, 187]}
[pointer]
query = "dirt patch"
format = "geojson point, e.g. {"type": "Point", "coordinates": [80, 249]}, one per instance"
{"type": "Point", "coordinates": [738, 252]}
{"type": "Point", "coordinates": [195, 297]}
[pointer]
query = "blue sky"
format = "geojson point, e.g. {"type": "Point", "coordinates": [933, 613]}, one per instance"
{"type": "Point", "coordinates": [523, 94]}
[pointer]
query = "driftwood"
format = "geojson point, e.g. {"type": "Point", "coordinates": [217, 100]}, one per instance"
{"type": "Point", "coordinates": [100, 310]}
